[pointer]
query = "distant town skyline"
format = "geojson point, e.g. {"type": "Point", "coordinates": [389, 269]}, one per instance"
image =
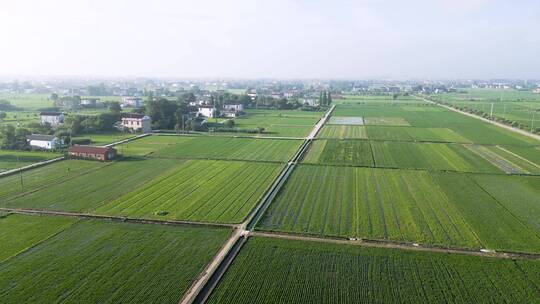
{"type": "Point", "coordinates": [442, 39]}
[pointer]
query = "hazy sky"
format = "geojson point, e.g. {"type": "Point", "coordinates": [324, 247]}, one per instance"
{"type": "Point", "coordinates": [272, 38]}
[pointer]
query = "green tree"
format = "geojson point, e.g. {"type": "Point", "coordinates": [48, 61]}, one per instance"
{"type": "Point", "coordinates": [114, 107]}
{"type": "Point", "coordinates": [329, 99]}
{"type": "Point", "coordinates": [3, 115]}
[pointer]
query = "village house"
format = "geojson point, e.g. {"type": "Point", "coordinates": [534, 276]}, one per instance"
{"type": "Point", "coordinates": [47, 142]}
{"type": "Point", "coordinates": [234, 107]}
{"type": "Point", "coordinates": [89, 101]}
{"type": "Point", "coordinates": [309, 101]}
{"type": "Point", "coordinates": [232, 110]}
{"type": "Point", "coordinates": [206, 111]}
{"type": "Point", "coordinates": [91, 152]}
{"type": "Point", "coordinates": [137, 122]}
{"type": "Point", "coordinates": [131, 102]}
{"type": "Point", "coordinates": [52, 118]}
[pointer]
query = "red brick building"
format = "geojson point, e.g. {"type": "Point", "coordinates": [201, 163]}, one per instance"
{"type": "Point", "coordinates": [99, 153]}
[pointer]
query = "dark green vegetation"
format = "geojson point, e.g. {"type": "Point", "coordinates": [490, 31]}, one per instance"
{"type": "Point", "coordinates": [199, 190]}
{"type": "Point", "coordinates": [108, 262]}
{"type": "Point", "coordinates": [212, 148]}
{"type": "Point", "coordinates": [279, 271]}
{"type": "Point", "coordinates": [19, 233]}
{"type": "Point", "coordinates": [443, 209]}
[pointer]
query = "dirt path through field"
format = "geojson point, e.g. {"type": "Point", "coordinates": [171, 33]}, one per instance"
{"type": "Point", "coordinates": [403, 246]}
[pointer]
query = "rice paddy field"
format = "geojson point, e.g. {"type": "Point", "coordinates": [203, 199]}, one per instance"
{"type": "Point", "coordinates": [343, 132]}
{"type": "Point", "coordinates": [197, 190]}
{"type": "Point", "coordinates": [278, 271]}
{"type": "Point", "coordinates": [29, 231]}
{"type": "Point", "coordinates": [85, 189]}
{"type": "Point", "coordinates": [441, 209]}
{"type": "Point", "coordinates": [11, 159]}
{"type": "Point", "coordinates": [210, 147]}
{"type": "Point", "coordinates": [95, 261]}
{"type": "Point", "coordinates": [281, 123]}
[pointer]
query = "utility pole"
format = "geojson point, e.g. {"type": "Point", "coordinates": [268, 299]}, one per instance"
{"type": "Point", "coordinates": [532, 123]}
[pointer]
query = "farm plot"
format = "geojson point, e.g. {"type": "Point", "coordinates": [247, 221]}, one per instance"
{"type": "Point", "coordinates": [110, 262]}
{"type": "Point", "coordinates": [340, 152]}
{"type": "Point", "coordinates": [284, 123]}
{"type": "Point", "coordinates": [199, 190]}
{"type": "Point", "coordinates": [343, 120]}
{"type": "Point", "coordinates": [519, 194]}
{"type": "Point", "coordinates": [343, 132]}
{"type": "Point", "coordinates": [206, 147]}
{"type": "Point", "coordinates": [15, 159]}
{"type": "Point", "coordinates": [386, 121]}
{"type": "Point", "coordinates": [505, 160]}
{"type": "Point", "coordinates": [283, 271]}
{"type": "Point", "coordinates": [231, 148]}
{"type": "Point", "coordinates": [414, 134]}
{"type": "Point", "coordinates": [18, 233]}
{"type": "Point", "coordinates": [496, 226]}
{"type": "Point", "coordinates": [399, 205]}
{"type": "Point", "coordinates": [90, 190]}
{"type": "Point", "coordinates": [43, 176]}
{"type": "Point", "coordinates": [532, 154]}
{"type": "Point", "coordinates": [432, 156]}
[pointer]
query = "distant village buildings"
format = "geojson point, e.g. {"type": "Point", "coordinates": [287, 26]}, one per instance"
{"type": "Point", "coordinates": [131, 102]}
{"type": "Point", "coordinates": [89, 102]}
{"type": "Point", "coordinates": [46, 142]}
{"type": "Point", "coordinates": [91, 152]}
{"type": "Point", "coordinates": [206, 111]}
{"type": "Point", "coordinates": [52, 118]}
{"type": "Point", "coordinates": [137, 122]}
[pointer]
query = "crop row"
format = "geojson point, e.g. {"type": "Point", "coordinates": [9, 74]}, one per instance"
{"type": "Point", "coordinates": [212, 147]}
{"type": "Point", "coordinates": [110, 262]}
{"type": "Point", "coordinates": [86, 191]}
{"type": "Point", "coordinates": [445, 209]}
{"type": "Point", "coordinates": [199, 190]}
{"type": "Point", "coordinates": [283, 271]}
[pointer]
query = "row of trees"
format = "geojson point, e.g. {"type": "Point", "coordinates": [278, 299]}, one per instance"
{"type": "Point", "coordinates": [325, 98]}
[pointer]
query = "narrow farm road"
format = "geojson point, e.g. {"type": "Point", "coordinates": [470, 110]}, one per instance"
{"type": "Point", "coordinates": [398, 245]}
{"type": "Point", "coordinates": [114, 218]}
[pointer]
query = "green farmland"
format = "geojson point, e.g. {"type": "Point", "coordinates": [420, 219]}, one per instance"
{"type": "Point", "coordinates": [519, 106]}
{"type": "Point", "coordinates": [343, 132]}
{"type": "Point", "coordinates": [10, 159]}
{"type": "Point", "coordinates": [30, 231]}
{"type": "Point", "coordinates": [277, 271]}
{"type": "Point", "coordinates": [209, 147]}
{"type": "Point", "coordinates": [86, 189]}
{"type": "Point", "coordinates": [282, 123]}
{"type": "Point", "coordinates": [106, 262]}
{"type": "Point", "coordinates": [197, 190]}
{"type": "Point", "coordinates": [443, 209]}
